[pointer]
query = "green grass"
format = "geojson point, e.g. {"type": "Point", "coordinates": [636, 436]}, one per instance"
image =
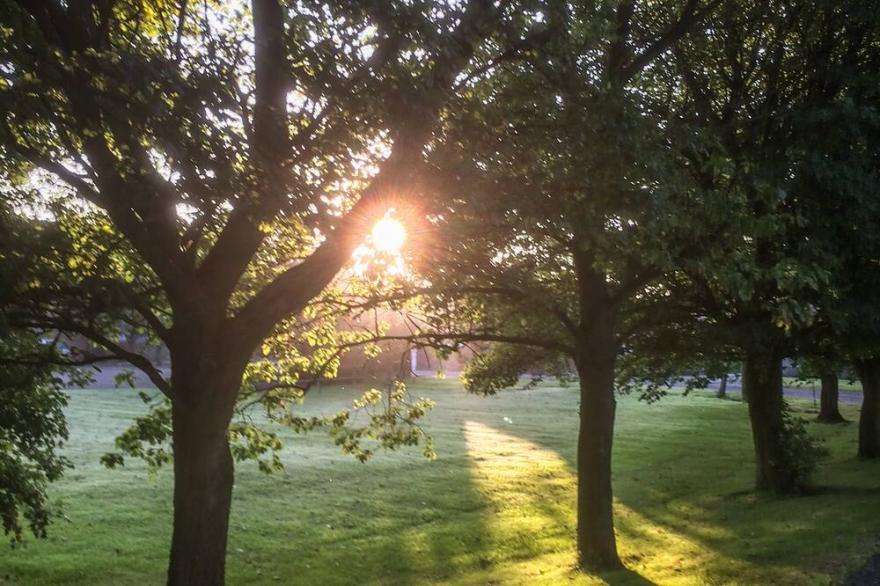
{"type": "Point", "coordinates": [853, 386]}
{"type": "Point", "coordinates": [496, 507]}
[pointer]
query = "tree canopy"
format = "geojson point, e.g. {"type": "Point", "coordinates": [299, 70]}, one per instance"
{"type": "Point", "coordinates": [203, 173]}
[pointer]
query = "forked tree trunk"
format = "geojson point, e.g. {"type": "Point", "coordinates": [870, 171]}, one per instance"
{"type": "Point", "coordinates": [869, 420]}
{"type": "Point", "coordinates": [203, 478]}
{"type": "Point", "coordinates": [829, 411]}
{"type": "Point", "coordinates": [597, 546]}
{"type": "Point", "coordinates": [722, 388]}
{"type": "Point", "coordinates": [762, 376]}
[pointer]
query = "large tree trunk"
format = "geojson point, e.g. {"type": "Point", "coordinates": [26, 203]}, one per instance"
{"type": "Point", "coordinates": [597, 547]}
{"type": "Point", "coordinates": [203, 476]}
{"type": "Point", "coordinates": [869, 420]}
{"type": "Point", "coordinates": [829, 412]}
{"type": "Point", "coordinates": [722, 387]}
{"type": "Point", "coordinates": [762, 376]}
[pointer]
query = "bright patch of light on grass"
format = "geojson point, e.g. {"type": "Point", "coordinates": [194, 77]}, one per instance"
{"type": "Point", "coordinates": [533, 495]}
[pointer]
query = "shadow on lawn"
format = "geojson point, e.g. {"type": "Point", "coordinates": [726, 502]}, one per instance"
{"type": "Point", "coordinates": [398, 520]}
{"type": "Point", "coordinates": [626, 578]}
{"type": "Point", "coordinates": [498, 505]}
{"type": "Point", "coordinates": [492, 509]}
{"type": "Point", "coordinates": [701, 513]}
{"type": "Point", "coordinates": [534, 490]}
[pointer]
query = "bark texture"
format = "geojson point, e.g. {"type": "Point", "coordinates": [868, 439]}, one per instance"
{"type": "Point", "coordinates": [597, 546]}
{"type": "Point", "coordinates": [203, 477]}
{"type": "Point", "coordinates": [829, 411]}
{"type": "Point", "coordinates": [205, 390]}
{"type": "Point", "coordinates": [722, 388]}
{"type": "Point", "coordinates": [762, 376]}
{"type": "Point", "coordinates": [869, 419]}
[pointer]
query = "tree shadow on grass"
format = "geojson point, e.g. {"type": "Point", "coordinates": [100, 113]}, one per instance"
{"type": "Point", "coordinates": [399, 519]}
{"type": "Point", "coordinates": [685, 504]}
{"type": "Point", "coordinates": [625, 578]}
{"type": "Point", "coordinates": [491, 510]}
{"type": "Point", "coordinates": [534, 488]}
{"type": "Point", "coordinates": [386, 522]}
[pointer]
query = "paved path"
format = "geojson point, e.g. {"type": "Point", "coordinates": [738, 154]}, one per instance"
{"type": "Point", "coordinates": [848, 397]}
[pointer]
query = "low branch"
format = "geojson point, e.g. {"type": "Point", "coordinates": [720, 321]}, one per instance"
{"type": "Point", "coordinates": [139, 361]}
{"type": "Point", "coordinates": [689, 18]}
{"type": "Point", "coordinates": [439, 340]}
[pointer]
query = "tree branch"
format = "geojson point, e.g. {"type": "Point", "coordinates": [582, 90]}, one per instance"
{"type": "Point", "coordinates": [137, 360]}
{"type": "Point", "coordinates": [438, 339]}
{"type": "Point", "coordinates": [688, 19]}
{"type": "Point", "coordinates": [290, 292]}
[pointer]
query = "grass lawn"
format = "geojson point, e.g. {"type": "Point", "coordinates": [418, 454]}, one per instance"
{"type": "Point", "coordinates": [496, 507]}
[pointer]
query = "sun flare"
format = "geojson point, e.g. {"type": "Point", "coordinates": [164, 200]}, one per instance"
{"type": "Point", "coordinates": [388, 235]}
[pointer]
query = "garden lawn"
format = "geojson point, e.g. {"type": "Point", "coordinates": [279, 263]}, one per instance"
{"type": "Point", "coordinates": [496, 507]}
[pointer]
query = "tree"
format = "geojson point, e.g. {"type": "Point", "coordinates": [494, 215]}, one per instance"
{"type": "Point", "coordinates": [764, 73]}
{"type": "Point", "coordinates": [869, 420]}
{"type": "Point", "coordinates": [211, 168]}
{"type": "Point", "coordinates": [567, 202]}
{"type": "Point", "coordinates": [829, 410]}
{"type": "Point", "coordinates": [32, 399]}
{"type": "Point", "coordinates": [825, 368]}
{"type": "Point", "coordinates": [32, 428]}
{"type": "Point", "coordinates": [722, 386]}
{"type": "Point", "coordinates": [846, 175]}
{"type": "Point", "coordinates": [840, 176]}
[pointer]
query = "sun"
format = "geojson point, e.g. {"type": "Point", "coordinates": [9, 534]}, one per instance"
{"type": "Point", "coordinates": [388, 235]}
{"type": "Point", "coordinates": [381, 252]}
